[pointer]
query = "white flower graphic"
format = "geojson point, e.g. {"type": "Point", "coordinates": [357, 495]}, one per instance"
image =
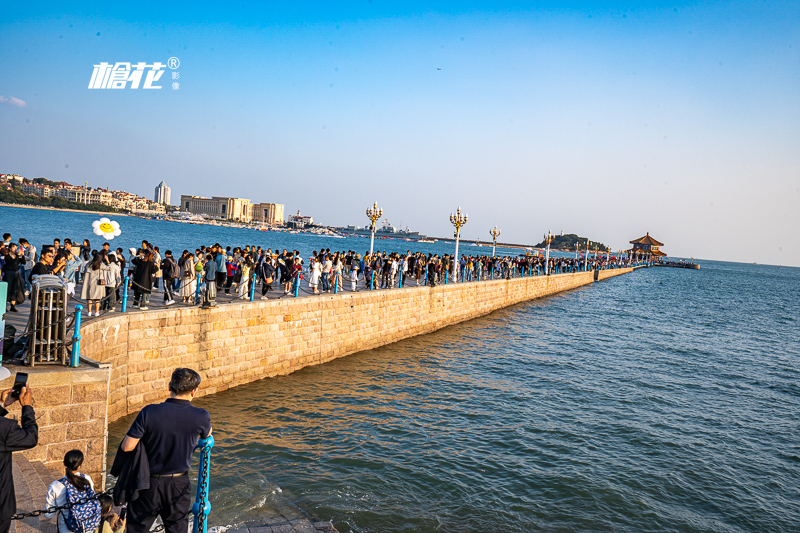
{"type": "Point", "coordinates": [108, 229]}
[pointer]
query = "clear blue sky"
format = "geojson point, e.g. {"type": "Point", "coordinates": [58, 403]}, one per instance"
{"type": "Point", "coordinates": [603, 119]}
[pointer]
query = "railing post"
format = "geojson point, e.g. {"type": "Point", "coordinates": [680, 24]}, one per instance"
{"type": "Point", "coordinates": [197, 289]}
{"type": "Point", "coordinates": [74, 359]}
{"type": "Point", "coordinates": [202, 506]}
{"type": "Point", "coordinates": [125, 294]}
{"type": "Point", "coordinates": [296, 285]}
{"type": "Point", "coordinates": [336, 283]}
{"type": "Point", "coordinates": [253, 287]}
{"type": "Point", "coordinates": [463, 271]}
{"type": "Point", "coordinates": [445, 276]}
{"type": "Point", "coordinates": [400, 284]}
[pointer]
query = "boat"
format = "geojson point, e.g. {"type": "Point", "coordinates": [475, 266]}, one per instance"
{"type": "Point", "coordinates": [387, 230]}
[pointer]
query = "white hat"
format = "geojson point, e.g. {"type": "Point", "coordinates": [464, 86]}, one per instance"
{"type": "Point", "coordinates": [4, 373]}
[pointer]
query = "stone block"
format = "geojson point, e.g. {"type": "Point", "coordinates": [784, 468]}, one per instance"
{"type": "Point", "coordinates": [86, 430]}
{"type": "Point", "coordinates": [56, 451]}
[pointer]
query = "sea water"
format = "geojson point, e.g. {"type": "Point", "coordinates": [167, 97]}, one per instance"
{"type": "Point", "coordinates": [662, 400]}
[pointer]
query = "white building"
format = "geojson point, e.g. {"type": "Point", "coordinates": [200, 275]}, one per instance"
{"type": "Point", "coordinates": [162, 194]}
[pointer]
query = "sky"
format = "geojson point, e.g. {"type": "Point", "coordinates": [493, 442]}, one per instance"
{"type": "Point", "coordinates": [608, 120]}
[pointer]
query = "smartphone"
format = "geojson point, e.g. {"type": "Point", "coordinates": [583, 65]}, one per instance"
{"type": "Point", "coordinates": [123, 513]}
{"type": "Point", "coordinates": [20, 381]}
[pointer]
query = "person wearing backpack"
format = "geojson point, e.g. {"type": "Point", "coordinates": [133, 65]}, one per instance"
{"type": "Point", "coordinates": [170, 271]}
{"type": "Point", "coordinates": [77, 490]}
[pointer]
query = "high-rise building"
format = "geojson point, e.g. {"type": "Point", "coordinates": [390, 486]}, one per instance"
{"type": "Point", "coordinates": [162, 194]}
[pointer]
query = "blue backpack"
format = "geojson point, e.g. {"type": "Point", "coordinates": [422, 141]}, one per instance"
{"type": "Point", "coordinates": [84, 512]}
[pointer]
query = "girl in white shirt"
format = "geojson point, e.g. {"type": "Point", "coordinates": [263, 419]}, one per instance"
{"type": "Point", "coordinates": [57, 492]}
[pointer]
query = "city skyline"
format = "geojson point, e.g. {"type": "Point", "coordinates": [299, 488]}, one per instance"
{"type": "Point", "coordinates": [598, 119]}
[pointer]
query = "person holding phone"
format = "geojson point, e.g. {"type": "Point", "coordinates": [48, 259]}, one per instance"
{"type": "Point", "coordinates": [14, 437]}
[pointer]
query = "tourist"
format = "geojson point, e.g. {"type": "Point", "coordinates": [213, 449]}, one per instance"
{"type": "Point", "coordinates": [170, 271]}
{"type": "Point", "coordinates": [14, 437]}
{"type": "Point", "coordinates": [210, 275]}
{"type": "Point", "coordinates": [245, 272]}
{"type": "Point", "coordinates": [73, 487]}
{"type": "Point", "coordinates": [315, 274]}
{"type": "Point", "coordinates": [188, 276]}
{"type": "Point", "coordinates": [296, 272]}
{"type": "Point", "coordinates": [157, 272]}
{"type": "Point", "coordinates": [13, 260]}
{"type": "Point", "coordinates": [110, 522]}
{"type": "Point", "coordinates": [267, 274]}
{"type": "Point", "coordinates": [143, 278]}
{"type": "Point", "coordinates": [94, 283]}
{"type": "Point", "coordinates": [113, 278]}
{"type": "Point", "coordinates": [29, 253]}
{"type": "Point", "coordinates": [70, 270]}
{"type": "Point", "coordinates": [169, 432]}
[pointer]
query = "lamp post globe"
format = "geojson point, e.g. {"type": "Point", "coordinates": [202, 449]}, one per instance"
{"type": "Point", "coordinates": [547, 238]}
{"type": "Point", "coordinates": [495, 233]}
{"type": "Point", "coordinates": [373, 213]}
{"type": "Point", "coordinates": [457, 220]}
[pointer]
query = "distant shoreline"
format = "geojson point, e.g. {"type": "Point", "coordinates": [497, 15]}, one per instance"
{"type": "Point", "coordinates": [49, 208]}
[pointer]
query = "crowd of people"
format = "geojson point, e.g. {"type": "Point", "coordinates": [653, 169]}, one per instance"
{"type": "Point", "coordinates": [198, 277]}
{"type": "Point", "coordinates": [151, 467]}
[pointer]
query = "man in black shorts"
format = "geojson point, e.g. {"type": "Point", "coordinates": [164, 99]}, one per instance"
{"type": "Point", "coordinates": [169, 432]}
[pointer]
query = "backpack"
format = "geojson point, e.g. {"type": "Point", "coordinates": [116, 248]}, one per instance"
{"type": "Point", "coordinates": [84, 513]}
{"type": "Point", "coordinates": [172, 269]}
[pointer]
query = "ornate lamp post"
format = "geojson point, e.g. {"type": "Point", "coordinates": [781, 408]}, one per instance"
{"type": "Point", "coordinates": [586, 257]}
{"type": "Point", "coordinates": [495, 233]}
{"type": "Point", "coordinates": [547, 239]}
{"type": "Point", "coordinates": [373, 213]}
{"type": "Point", "coordinates": [457, 220]}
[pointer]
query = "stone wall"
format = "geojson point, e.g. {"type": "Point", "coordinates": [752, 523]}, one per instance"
{"type": "Point", "coordinates": [71, 408]}
{"type": "Point", "coordinates": [240, 343]}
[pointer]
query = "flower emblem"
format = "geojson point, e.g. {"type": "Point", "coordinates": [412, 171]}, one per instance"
{"type": "Point", "coordinates": [106, 228]}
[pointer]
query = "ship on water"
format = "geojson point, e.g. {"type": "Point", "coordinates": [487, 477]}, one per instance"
{"type": "Point", "coordinates": [387, 230]}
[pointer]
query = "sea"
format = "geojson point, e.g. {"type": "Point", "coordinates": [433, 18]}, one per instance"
{"type": "Point", "coordinates": [665, 400]}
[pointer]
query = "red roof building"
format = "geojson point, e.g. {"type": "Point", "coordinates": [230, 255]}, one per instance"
{"type": "Point", "coordinates": [646, 246]}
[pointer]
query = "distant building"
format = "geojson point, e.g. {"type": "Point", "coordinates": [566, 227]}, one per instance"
{"type": "Point", "coordinates": [646, 247]}
{"type": "Point", "coordinates": [163, 194]}
{"type": "Point", "coordinates": [85, 195]}
{"type": "Point", "coordinates": [267, 213]}
{"type": "Point", "coordinates": [299, 221]}
{"type": "Point", "coordinates": [39, 190]}
{"type": "Point", "coordinates": [218, 206]}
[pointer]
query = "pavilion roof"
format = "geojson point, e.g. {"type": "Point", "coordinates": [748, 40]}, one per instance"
{"type": "Point", "coordinates": [647, 239]}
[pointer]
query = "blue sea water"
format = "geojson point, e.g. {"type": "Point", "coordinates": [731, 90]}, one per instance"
{"type": "Point", "coordinates": [662, 400]}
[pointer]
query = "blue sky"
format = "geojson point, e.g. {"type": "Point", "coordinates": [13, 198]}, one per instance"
{"type": "Point", "coordinates": [603, 119]}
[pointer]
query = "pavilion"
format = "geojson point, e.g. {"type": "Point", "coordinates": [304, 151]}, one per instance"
{"type": "Point", "coordinates": [646, 248]}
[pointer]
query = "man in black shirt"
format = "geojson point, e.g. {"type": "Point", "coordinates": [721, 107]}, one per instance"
{"type": "Point", "coordinates": [45, 264]}
{"type": "Point", "coordinates": [169, 432]}
{"type": "Point", "coordinates": [14, 438]}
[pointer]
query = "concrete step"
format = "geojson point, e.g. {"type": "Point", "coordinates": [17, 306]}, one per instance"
{"type": "Point", "coordinates": [31, 479]}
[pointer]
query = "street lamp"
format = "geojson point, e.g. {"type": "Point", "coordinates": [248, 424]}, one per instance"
{"type": "Point", "coordinates": [586, 257]}
{"type": "Point", "coordinates": [547, 239]}
{"type": "Point", "coordinates": [495, 233]}
{"type": "Point", "coordinates": [373, 213]}
{"type": "Point", "coordinates": [457, 220]}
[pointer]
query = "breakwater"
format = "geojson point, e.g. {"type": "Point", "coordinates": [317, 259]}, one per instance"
{"type": "Point", "coordinates": [244, 342]}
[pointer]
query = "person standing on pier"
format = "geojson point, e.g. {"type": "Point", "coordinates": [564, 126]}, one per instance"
{"type": "Point", "coordinates": [169, 432]}
{"type": "Point", "coordinates": [14, 437]}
